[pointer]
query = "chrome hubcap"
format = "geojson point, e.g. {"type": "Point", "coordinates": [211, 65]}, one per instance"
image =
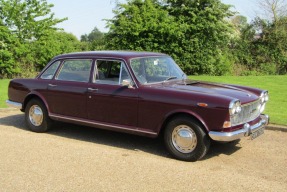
{"type": "Point", "coordinates": [184, 139]}
{"type": "Point", "coordinates": [36, 115]}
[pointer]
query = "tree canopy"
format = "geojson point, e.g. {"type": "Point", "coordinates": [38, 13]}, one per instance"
{"type": "Point", "coordinates": [29, 37]}
{"type": "Point", "coordinates": [203, 36]}
{"type": "Point", "coordinates": [94, 40]}
{"type": "Point", "coordinates": [195, 32]}
{"type": "Point", "coordinates": [262, 45]}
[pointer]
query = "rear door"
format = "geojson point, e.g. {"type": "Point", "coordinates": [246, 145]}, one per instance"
{"type": "Point", "coordinates": [66, 93]}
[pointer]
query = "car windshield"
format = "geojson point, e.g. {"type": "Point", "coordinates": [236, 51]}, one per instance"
{"type": "Point", "coordinates": [156, 69]}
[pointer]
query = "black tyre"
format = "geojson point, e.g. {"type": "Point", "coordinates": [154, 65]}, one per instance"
{"type": "Point", "coordinates": [36, 116]}
{"type": "Point", "coordinates": [185, 139]}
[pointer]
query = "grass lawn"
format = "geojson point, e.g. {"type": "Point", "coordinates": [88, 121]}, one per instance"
{"type": "Point", "coordinates": [3, 92]}
{"type": "Point", "coordinates": [276, 107]}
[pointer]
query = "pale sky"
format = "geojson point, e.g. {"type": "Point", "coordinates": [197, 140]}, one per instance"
{"type": "Point", "coordinates": [84, 15]}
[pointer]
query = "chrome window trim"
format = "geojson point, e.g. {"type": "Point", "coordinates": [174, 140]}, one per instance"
{"type": "Point", "coordinates": [58, 71]}
{"type": "Point", "coordinates": [95, 70]}
{"type": "Point", "coordinates": [48, 67]}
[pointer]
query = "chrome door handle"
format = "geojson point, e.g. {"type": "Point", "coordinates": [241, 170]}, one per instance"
{"type": "Point", "coordinates": [92, 89]}
{"type": "Point", "coordinates": [52, 85]}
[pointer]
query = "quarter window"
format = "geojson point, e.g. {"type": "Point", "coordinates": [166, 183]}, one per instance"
{"type": "Point", "coordinates": [75, 70]}
{"type": "Point", "coordinates": [50, 72]}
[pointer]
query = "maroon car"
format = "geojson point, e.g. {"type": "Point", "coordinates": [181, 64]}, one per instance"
{"type": "Point", "coordinates": [141, 93]}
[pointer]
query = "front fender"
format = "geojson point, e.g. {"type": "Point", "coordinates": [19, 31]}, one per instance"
{"type": "Point", "coordinates": [177, 112]}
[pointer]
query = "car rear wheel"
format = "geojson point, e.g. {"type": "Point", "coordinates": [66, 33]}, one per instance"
{"type": "Point", "coordinates": [36, 116]}
{"type": "Point", "coordinates": [185, 139]}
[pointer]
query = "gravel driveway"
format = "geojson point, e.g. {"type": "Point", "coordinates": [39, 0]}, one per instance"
{"type": "Point", "coordinates": [74, 158]}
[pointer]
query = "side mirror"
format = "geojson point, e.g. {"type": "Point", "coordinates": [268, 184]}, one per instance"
{"type": "Point", "coordinates": [128, 83]}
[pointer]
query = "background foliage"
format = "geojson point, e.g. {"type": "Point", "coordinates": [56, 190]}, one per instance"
{"type": "Point", "coordinates": [203, 36]}
{"type": "Point", "coordinates": [29, 38]}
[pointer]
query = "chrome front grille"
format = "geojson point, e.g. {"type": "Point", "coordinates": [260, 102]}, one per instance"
{"type": "Point", "coordinates": [249, 112]}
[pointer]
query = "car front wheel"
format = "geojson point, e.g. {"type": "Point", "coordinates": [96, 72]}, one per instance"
{"type": "Point", "coordinates": [36, 116]}
{"type": "Point", "coordinates": [185, 139]}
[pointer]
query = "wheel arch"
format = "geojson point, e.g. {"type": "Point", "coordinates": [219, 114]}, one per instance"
{"type": "Point", "coordinates": [34, 95]}
{"type": "Point", "coordinates": [184, 113]}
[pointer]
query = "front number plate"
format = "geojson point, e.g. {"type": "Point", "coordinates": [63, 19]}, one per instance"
{"type": "Point", "coordinates": [257, 133]}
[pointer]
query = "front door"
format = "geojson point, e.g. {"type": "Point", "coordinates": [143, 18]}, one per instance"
{"type": "Point", "coordinates": [108, 100]}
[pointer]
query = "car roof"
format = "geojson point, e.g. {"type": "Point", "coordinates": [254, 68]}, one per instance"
{"type": "Point", "coordinates": [109, 54]}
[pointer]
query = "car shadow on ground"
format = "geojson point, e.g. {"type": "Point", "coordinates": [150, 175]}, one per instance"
{"type": "Point", "coordinates": [115, 139]}
{"type": "Point", "coordinates": [16, 121]}
{"type": "Point", "coordinates": [217, 148]}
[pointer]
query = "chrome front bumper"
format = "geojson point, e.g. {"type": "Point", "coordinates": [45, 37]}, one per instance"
{"type": "Point", "coordinates": [246, 131]}
{"type": "Point", "coordinates": [14, 104]}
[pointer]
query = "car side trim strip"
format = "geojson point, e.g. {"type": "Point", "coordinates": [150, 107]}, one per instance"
{"type": "Point", "coordinates": [102, 125]}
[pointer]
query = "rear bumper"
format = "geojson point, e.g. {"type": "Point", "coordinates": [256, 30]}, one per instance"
{"type": "Point", "coordinates": [14, 104]}
{"type": "Point", "coordinates": [244, 132]}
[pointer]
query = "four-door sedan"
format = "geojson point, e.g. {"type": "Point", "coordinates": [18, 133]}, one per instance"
{"type": "Point", "coordinates": [141, 93]}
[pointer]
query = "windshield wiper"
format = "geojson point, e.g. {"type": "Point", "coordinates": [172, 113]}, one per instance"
{"type": "Point", "coordinates": [170, 78]}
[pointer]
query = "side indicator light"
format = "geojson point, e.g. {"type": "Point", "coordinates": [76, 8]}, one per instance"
{"type": "Point", "coordinates": [202, 104]}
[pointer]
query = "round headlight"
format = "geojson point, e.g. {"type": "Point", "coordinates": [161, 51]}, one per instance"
{"type": "Point", "coordinates": [238, 108]}
{"type": "Point", "coordinates": [235, 107]}
{"type": "Point", "coordinates": [232, 111]}
{"type": "Point", "coordinates": [264, 97]}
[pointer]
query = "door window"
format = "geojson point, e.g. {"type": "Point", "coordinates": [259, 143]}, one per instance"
{"type": "Point", "coordinates": [75, 70]}
{"type": "Point", "coordinates": [111, 72]}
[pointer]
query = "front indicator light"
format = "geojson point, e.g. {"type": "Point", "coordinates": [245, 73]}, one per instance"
{"type": "Point", "coordinates": [226, 124]}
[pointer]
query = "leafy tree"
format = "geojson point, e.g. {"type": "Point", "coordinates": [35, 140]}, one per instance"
{"type": "Point", "coordinates": [194, 32]}
{"type": "Point", "coordinates": [7, 61]}
{"type": "Point", "coordinates": [268, 48]}
{"type": "Point", "coordinates": [95, 34]}
{"type": "Point", "coordinates": [271, 45]}
{"type": "Point", "coordinates": [28, 19]}
{"type": "Point", "coordinates": [273, 10]}
{"type": "Point", "coordinates": [239, 23]}
{"type": "Point", "coordinates": [141, 25]}
{"type": "Point", "coordinates": [261, 47]}
{"type": "Point", "coordinates": [206, 34]}
{"type": "Point", "coordinates": [94, 40]}
{"type": "Point", "coordinates": [53, 44]}
{"type": "Point", "coordinates": [29, 37]}
{"type": "Point", "coordinates": [241, 44]}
